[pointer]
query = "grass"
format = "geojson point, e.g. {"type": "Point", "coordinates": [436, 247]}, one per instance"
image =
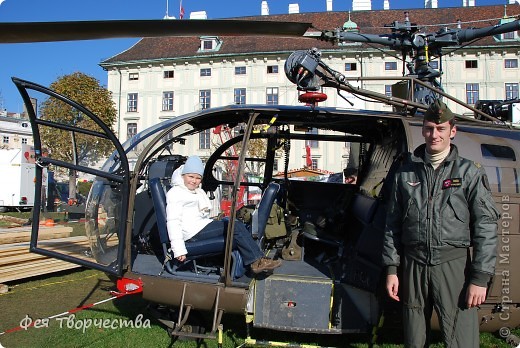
{"type": "Point", "coordinates": [60, 218]}
{"type": "Point", "coordinates": [48, 296]}
{"type": "Point", "coordinates": [51, 295]}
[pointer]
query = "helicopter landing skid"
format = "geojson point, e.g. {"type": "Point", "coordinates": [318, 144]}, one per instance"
{"type": "Point", "coordinates": [182, 329]}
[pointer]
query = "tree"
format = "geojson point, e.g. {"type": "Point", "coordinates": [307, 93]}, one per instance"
{"type": "Point", "coordinates": [75, 147]}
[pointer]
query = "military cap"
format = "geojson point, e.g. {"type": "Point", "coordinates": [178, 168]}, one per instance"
{"type": "Point", "coordinates": [438, 112]}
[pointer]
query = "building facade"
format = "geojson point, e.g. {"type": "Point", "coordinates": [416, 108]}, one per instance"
{"type": "Point", "coordinates": [15, 130]}
{"type": "Point", "coordinates": [161, 78]}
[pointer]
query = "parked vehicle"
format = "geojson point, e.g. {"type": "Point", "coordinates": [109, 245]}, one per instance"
{"type": "Point", "coordinates": [17, 175]}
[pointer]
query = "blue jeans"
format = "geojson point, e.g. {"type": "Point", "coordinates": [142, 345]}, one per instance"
{"type": "Point", "coordinates": [242, 239]}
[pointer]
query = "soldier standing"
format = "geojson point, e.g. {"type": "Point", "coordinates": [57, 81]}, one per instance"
{"type": "Point", "coordinates": [441, 204]}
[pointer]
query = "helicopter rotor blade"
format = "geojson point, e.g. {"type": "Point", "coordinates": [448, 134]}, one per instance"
{"type": "Point", "coordinates": [25, 32]}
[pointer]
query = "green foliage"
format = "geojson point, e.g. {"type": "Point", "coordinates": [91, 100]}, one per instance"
{"type": "Point", "coordinates": [84, 187]}
{"type": "Point", "coordinates": [87, 91]}
{"type": "Point", "coordinates": [72, 146]}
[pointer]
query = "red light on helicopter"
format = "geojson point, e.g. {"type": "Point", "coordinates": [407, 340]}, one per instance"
{"type": "Point", "coordinates": [312, 98]}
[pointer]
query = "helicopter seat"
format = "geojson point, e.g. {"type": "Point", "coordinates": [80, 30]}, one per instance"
{"type": "Point", "coordinates": [260, 215]}
{"type": "Point", "coordinates": [196, 249]}
{"type": "Point", "coordinates": [364, 263]}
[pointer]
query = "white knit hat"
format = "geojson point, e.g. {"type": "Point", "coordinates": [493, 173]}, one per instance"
{"type": "Point", "coordinates": [193, 165]}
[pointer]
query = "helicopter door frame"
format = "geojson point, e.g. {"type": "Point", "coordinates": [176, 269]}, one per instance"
{"type": "Point", "coordinates": [121, 175]}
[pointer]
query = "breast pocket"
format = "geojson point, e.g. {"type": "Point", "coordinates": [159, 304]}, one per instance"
{"type": "Point", "coordinates": [455, 221]}
{"type": "Point", "coordinates": [412, 224]}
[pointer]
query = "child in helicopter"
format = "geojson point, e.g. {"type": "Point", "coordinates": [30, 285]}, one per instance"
{"type": "Point", "coordinates": [187, 218]}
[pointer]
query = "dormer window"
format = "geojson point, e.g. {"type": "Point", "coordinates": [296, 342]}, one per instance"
{"type": "Point", "coordinates": [209, 43]}
{"type": "Point", "coordinates": [509, 36]}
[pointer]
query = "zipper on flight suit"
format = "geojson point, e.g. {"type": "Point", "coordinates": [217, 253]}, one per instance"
{"type": "Point", "coordinates": [432, 192]}
{"type": "Point", "coordinates": [430, 178]}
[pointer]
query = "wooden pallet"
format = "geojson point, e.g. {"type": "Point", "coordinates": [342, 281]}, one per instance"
{"type": "Point", "coordinates": [44, 234]}
{"type": "Point", "coordinates": [16, 262]}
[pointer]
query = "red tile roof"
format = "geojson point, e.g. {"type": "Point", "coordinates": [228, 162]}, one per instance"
{"type": "Point", "coordinates": [372, 22]}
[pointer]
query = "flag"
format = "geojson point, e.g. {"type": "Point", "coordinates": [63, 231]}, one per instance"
{"type": "Point", "coordinates": [181, 11]}
{"type": "Point", "coordinates": [308, 156]}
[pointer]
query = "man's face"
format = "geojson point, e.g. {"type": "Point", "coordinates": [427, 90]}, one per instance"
{"type": "Point", "coordinates": [191, 181]}
{"type": "Point", "coordinates": [437, 136]}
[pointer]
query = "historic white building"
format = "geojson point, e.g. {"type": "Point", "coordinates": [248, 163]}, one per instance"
{"type": "Point", "coordinates": [15, 130]}
{"type": "Point", "coordinates": [161, 78]}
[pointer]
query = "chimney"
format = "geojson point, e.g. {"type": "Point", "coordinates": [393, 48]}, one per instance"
{"type": "Point", "coordinates": [430, 4]}
{"type": "Point", "coordinates": [362, 5]}
{"type": "Point", "coordinates": [386, 4]}
{"type": "Point", "coordinates": [329, 5]}
{"type": "Point", "coordinates": [198, 15]}
{"type": "Point", "coordinates": [265, 8]}
{"type": "Point", "coordinates": [294, 8]}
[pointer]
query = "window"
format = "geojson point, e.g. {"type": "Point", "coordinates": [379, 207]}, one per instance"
{"type": "Point", "coordinates": [167, 101]}
{"type": "Point", "coordinates": [497, 152]}
{"type": "Point", "coordinates": [275, 165]}
{"type": "Point", "coordinates": [314, 164]}
{"type": "Point", "coordinates": [312, 143]}
{"type": "Point", "coordinates": [272, 69]}
{"type": "Point", "coordinates": [168, 74]}
{"type": "Point", "coordinates": [205, 72]}
{"type": "Point", "coordinates": [6, 139]}
{"type": "Point", "coordinates": [509, 36]}
{"type": "Point", "coordinates": [240, 95]}
{"type": "Point", "coordinates": [390, 65]}
{"type": "Point", "coordinates": [434, 64]}
{"type": "Point", "coordinates": [511, 63]}
{"type": "Point", "coordinates": [471, 64]}
{"type": "Point", "coordinates": [205, 99]}
{"type": "Point", "coordinates": [240, 70]}
{"type": "Point", "coordinates": [472, 93]}
{"type": "Point", "coordinates": [133, 76]}
{"type": "Point", "coordinates": [272, 96]}
{"type": "Point", "coordinates": [204, 139]}
{"type": "Point", "coordinates": [132, 102]}
{"type": "Point", "coordinates": [24, 141]}
{"type": "Point", "coordinates": [207, 44]}
{"type": "Point", "coordinates": [25, 125]}
{"type": "Point", "coordinates": [388, 90]}
{"type": "Point", "coordinates": [131, 130]}
{"type": "Point", "coordinates": [350, 66]}
{"type": "Point", "coordinates": [511, 90]}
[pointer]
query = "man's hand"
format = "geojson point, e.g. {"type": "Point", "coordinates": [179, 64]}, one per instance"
{"type": "Point", "coordinates": [181, 258]}
{"type": "Point", "coordinates": [392, 286]}
{"type": "Point", "coordinates": [475, 295]}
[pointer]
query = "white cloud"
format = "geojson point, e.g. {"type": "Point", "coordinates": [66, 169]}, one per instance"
{"type": "Point", "coordinates": [1, 2]}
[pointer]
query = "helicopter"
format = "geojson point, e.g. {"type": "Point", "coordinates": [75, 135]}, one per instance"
{"type": "Point", "coordinates": [332, 231]}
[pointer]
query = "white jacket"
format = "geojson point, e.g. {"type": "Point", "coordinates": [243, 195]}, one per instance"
{"type": "Point", "coordinates": [187, 212]}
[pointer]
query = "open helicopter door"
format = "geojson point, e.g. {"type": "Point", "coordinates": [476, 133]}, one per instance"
{"type": "Point", "coordinates": [71, 142]}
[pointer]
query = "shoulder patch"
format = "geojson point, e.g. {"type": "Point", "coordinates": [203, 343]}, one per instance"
{"type": "Point", "coordinates": [477, 164]}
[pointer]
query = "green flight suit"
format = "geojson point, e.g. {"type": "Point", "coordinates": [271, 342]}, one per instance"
{"type": "Point", "coordinates": [434, 216]}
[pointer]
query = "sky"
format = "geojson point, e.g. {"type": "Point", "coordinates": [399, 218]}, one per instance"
{"type": "Point", "coordinates": [43, 63]}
